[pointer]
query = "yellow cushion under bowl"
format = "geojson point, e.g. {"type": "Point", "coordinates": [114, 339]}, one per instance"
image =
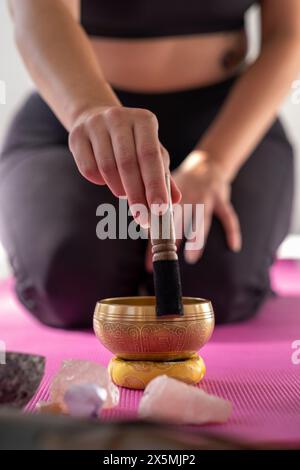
{"type": "Point", "coordinates": [137, 374]}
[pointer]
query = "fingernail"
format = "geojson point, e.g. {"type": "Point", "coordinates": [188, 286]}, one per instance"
{"type": "Point", "coordinates": [141, 219]}
{"type": "Point", "coordinates": [237, 246]}
{"type": "Point", "coordinates": [143, 223]}
{"type": "Point", "coordinates": [191, 256]}
{"type": "Point", "coordinates": [140, 216]}
{"type": "Point", "coordinates": [149, 268]}
{"type": "Point", "coordinates": [159, 207]}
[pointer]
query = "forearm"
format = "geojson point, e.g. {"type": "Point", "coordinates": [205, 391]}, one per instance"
{"type": "Point", "coordinates": [252, 104]}
{"type": "Point", "coordinates": [59, 58]}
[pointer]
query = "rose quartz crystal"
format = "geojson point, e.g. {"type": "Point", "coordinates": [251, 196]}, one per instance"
{"type": "Point", "coordinates": [76, 372]}
{"type": "Point", "coordinates": [167, 399]}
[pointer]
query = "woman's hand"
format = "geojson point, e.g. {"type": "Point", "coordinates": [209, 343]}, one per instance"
{"type": "Point", "coordinates": [201, 181]}
{"type": "Point", "coordinates": [119, 146]}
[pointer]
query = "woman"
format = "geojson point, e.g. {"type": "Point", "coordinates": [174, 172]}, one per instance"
{"type": "Point", "coordinates": [122, 86]}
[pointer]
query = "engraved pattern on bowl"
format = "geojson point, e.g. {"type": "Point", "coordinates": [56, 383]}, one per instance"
{"type": "Point", "coordinates": [137, 334]}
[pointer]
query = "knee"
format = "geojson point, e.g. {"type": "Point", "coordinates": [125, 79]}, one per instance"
{"type": "Point", "coordinates": [233, 302]}
{"type": "Point", "coordinates": [66, 286]}
{"type": "Point", "coordinates": [235, 294]}
{"type": "Point", "coordinates": [243, 286]}
{"type": "Point", "coordinates": [64, 301]}
{"type": "Point", "coordinates": [236, 298]}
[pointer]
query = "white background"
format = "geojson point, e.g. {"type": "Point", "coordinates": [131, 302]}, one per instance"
{"type": "Point", "coordinates": [13, 73]}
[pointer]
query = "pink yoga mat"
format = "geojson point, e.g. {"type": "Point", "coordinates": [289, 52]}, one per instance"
{"type": "Point", "coordinates": [248, 363]}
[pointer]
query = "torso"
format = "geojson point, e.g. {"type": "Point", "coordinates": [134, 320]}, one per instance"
{"type": "Point", "coordinates": [144, 55]}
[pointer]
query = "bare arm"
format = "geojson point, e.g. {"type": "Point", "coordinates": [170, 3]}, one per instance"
{"type": "Point", "coordinates": [206, 174]}
{"type": "Point", "coordinates": [256, 97]}
{"type": "Point", "coordinates": [59, 58]}
{"type": "Point", "coordinates": [111, 144]}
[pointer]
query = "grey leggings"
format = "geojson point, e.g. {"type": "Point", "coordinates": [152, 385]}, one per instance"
{"type": "Point", "coordinates": [48, 215]}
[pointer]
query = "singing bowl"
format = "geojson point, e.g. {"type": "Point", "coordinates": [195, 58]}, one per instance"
{"type": "Point", "coordinates": [129, 328]}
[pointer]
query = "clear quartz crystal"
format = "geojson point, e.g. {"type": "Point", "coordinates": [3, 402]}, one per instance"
{"type": "Point", "coordinates": [167, 399]}
{"type": "Point", "coordinates": [78, 372]}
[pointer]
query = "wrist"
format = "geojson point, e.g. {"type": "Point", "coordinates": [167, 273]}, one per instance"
{"type": "Point", "coordinates": [102, 99]}
{"type": "Point", "coordinates": [225, 169]}
{"type": "Point", "coordinates": [200, 161]}
{"type": "Point", "coordinates": [224, 166]}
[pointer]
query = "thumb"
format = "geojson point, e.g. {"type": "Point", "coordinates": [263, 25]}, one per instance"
{"type": "Point", "coordinates": [230, 222]}
{"type": "Point", "coordinates": [192, 256]}
{"type": "Point", "coordinates": [148, 258]}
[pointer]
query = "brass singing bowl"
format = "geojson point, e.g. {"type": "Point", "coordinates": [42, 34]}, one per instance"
{"type": "Point", "coordinates": [129, 328]}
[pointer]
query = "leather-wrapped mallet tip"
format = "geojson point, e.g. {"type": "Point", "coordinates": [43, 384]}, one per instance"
{"type": "Point", "coordinates": [167, 287]}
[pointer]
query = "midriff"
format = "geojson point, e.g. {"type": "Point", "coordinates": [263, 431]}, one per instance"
{"type": "Point", "coordinates": [172, 63]}
{"type": "Point", "coordinates": [168, 63]}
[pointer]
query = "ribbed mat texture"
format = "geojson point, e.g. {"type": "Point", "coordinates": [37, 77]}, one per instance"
{"type": "Point", "coordinates": [248, 363]}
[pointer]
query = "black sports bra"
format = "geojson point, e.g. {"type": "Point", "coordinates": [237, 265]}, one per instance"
{"type": "Point", "coordinates": [154, 18]}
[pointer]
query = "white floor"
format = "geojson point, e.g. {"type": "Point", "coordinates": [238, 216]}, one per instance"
{"type": "Point", "coordinates": [290, 248]}
{"type": "Point", "coordinates": [4, 265]}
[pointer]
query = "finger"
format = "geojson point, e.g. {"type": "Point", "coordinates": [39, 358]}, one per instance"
{"type": "Point", "coordinates": [178, 223]}
{"type": "Point", "coordinates": [150, 160]}
{"type": "Point", "coordinates": [148, 259]}
{"type": "Point", "coordinates": [175, 192]}
{"type": "Point", "coordinates": [128, 167]}
{"type": "Point", "coordinates": [230, 221]}
{"type": "Point", "coordinates": [193, 255]}
{"type": "Point", "coordinates": [84, 158]}
{"type": "Point", "coordinates": [105, 159]}
{"type": "Point", "coordinates": [165, 157]}
{"type": "Point", "coordinates": [208, 213]}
